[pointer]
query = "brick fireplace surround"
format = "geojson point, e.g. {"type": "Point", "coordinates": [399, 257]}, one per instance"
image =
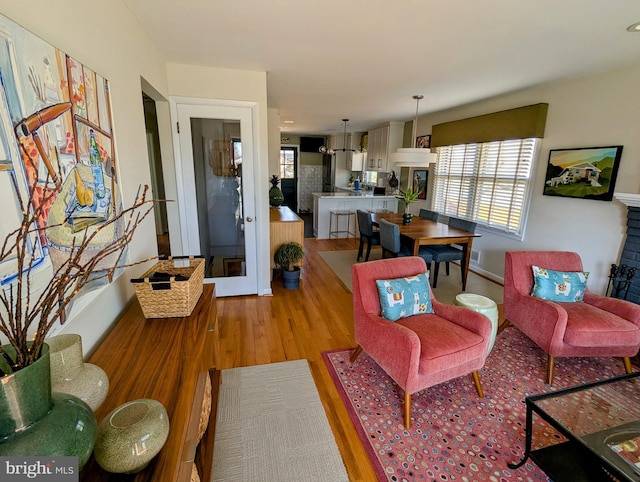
{"type": "Point", "coordinates": [631, 250]}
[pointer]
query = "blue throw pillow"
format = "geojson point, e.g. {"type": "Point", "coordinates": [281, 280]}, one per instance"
{"type": "Point", "coordinates": [403, 297]}
{"type": "Point", "coordinates": [562, 286]}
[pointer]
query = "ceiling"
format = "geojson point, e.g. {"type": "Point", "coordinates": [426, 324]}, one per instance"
{"type": "Point", "coordinates": [364, 59]}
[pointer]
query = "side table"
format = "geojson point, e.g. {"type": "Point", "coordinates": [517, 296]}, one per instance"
{"type": "Point", "coordinates": [483, 305]}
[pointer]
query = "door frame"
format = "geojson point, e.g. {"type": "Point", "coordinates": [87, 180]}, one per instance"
{"type": "Point", "coordinates": [261, 222]}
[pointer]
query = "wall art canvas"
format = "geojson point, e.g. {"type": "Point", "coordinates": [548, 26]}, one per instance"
{"type": "Point", "coordinates": [585, 173]}
{"type": "Point", "coordinates": [420, 182]}
{"type": "Point", "coordinates": [423, 142]}
{"type": "Point", "coordinates": [56, 148]}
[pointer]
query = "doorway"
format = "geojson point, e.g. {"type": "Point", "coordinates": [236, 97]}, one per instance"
{"type": "Point", "coordinates": [157, 177]}
{"type": "Point", "coordinates": [289, 176]}
{"type": "Point", "coordinates": [216, 194]}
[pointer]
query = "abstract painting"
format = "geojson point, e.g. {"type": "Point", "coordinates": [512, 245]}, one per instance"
{"type": "Point", "coordinates": [420, 183]}
{"type": "Point", "coordinates": [56, 150]}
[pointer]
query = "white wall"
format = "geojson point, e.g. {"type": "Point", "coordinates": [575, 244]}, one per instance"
{"type": "Point", "coordinates": [224, 84]}
{"type": "Point", "coordinates": [600, 110]}
{"type": "Point", "coordinates": [106, 38]}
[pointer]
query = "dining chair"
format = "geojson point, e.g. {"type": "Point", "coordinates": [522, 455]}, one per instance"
{"type": "Point", "coordinates": [445, 253]}
{"type": "Point", "coordinates": [367, 234]}
{"type": "Point", "coordinates": [393, 247]}
{"type": "Point", "coordinates": [427, 214]}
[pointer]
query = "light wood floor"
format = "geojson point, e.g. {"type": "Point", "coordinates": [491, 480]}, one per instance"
{"type": "Point", "coordinates": [296, 324]}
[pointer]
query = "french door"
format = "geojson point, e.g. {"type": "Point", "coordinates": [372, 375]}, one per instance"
{"type": "Point", "coordinates": [214, 174]}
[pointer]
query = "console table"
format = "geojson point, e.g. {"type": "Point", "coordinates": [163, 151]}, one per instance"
{"type": "Point", "coordinates": [169, 360]}
{"type": "Point", "coordinates": [285, 227]}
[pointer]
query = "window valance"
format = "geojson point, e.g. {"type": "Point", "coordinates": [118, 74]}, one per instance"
{"type": "Point", "coordinates": [520, 123]}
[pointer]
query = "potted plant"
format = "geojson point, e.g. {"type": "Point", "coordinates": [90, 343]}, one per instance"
{"type": "Point", "coordinates": [275, 194]}
{"type": "Point", "coordinates": [407, 197]}
{"type": "Point", "coordinates": [285, 258]}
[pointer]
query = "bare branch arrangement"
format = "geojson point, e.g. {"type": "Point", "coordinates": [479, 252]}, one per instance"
{"type": "Point", "coordinates": [21, 309]}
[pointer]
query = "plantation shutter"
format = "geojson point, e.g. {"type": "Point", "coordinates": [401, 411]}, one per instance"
{"type": "Point", "coordinates": [486, 183]}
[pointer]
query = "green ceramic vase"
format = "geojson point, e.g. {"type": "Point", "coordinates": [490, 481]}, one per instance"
{"type": "Point", "coordinates": [33, 421]}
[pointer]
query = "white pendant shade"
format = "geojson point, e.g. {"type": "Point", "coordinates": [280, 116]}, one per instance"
{"type": "Point", "coordinates": [412, 157]}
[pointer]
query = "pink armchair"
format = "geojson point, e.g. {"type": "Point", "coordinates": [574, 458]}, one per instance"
{"type": "Point", "coordinates": [597, 326]}
{"type": "Point", "coordinates": [418, 351]}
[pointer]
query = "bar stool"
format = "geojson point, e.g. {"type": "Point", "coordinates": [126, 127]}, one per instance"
{"type": "Point", "coordinates": [336, 215]}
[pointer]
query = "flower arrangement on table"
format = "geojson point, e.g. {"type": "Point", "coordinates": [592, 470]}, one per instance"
{"type": "Point", "coordinates": [407, 197]}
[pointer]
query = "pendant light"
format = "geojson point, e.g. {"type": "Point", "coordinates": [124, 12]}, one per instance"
{"type": "Point", "coordinates": [331, 152]}
{"type": "Point", "coordinates": [413, 156]}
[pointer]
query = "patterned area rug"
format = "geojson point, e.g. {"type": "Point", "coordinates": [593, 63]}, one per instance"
{"type": "Point", "coordinates": [456, 435]}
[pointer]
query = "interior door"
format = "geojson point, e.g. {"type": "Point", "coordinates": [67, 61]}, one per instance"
{"type": "Point", "coordinates": [289, 176]}
{"type": "Point", "coordinates": [217, 205]}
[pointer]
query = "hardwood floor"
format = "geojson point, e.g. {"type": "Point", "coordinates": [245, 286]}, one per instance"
{"type": "Point", "coordinates": [300, 324]}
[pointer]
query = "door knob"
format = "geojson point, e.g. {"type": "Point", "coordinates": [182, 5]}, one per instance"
{"type": "Point", "coordinates": [249, 219]}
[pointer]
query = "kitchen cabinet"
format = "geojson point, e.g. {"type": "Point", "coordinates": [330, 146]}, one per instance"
{"type": "Point", "coordinates": [355, 161]}
{"type": "Point", "coordinates": [383, 141]}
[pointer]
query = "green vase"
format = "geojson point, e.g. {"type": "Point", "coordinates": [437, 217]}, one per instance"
{"type": "Point", "coordinates": [36, 422]}
{"type": "Point", "coordinates": [275, 196]}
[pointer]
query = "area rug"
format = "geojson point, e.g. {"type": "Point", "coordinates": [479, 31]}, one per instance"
{"type": "Point", "coordinates": [448, 286]}
{"type": "Point", "coordinates": [271, 425]}
{"type": "Point", "coordinates": [455, 435]}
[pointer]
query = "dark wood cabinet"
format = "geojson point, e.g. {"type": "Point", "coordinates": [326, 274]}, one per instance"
{"type": "Point", "coordinates": [169, 360]}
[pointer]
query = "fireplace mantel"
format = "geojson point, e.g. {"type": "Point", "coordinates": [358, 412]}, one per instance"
{"type": "Point", "coordinates": [631, 200]}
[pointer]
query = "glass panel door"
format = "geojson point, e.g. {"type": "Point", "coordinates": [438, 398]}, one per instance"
{"type": "Point", "coordinates": [217, 168]}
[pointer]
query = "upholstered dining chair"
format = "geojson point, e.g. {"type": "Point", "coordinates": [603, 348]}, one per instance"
{"type": "Point", "coordinates": [427, 214]}
{"type": "Point", "coordinates": [419, 350]}
{"type": "Point", "coordinates": [367, 234]}
{"type": "Point", "coordinates": [445, 253]}
{"type": "Point", "coordinates": [552, 305]}
{"type": "Point", "coordinates": [393, 247]}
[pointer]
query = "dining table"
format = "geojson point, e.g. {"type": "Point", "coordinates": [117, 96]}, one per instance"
{"type": "Point", "coordinates": [424, 232]}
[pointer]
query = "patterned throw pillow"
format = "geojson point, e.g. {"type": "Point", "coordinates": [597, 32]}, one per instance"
{"type": "Point", "coordinates": [403, 297]}
{"type": "Point", "coordinates": [561, 286]}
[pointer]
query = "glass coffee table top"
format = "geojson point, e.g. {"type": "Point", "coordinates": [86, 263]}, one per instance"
{"type": "Point", "coordinates": [601, 418]}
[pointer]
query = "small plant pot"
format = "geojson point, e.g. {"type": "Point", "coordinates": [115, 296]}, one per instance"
{"type": "Point", "coordinates": [406, 218]}
{"type": "Point", "coordinates": [291, 279]}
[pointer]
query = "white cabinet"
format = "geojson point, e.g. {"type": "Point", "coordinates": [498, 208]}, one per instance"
{"type": "Point", "coordinates": [355, 162]}
{"type": "Point", "coordinates": [383, 141]}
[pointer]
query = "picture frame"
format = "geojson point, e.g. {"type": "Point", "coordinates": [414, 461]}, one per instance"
{"type": "Point", "coordinates": [419, 182]}
{"type": "Point", "coordinates": [423, 142]}
{"type": "Point", "coordinates": [583, 173]}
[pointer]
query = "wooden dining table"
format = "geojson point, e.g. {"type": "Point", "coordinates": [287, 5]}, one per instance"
{"type": "Point", "coordinates": [425, 232]}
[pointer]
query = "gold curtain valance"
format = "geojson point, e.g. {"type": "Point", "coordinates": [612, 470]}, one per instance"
{"type": "Point", "coordinates": [519, 123]}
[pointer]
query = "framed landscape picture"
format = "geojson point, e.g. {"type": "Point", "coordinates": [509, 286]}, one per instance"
{"type": "Point", "coordinates": [586, 173]}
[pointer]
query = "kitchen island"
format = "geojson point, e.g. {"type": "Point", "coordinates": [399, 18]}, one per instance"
{"type": "Point", "coordinates": [324, 202]}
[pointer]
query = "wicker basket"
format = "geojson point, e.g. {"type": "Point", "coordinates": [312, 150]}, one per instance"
{"type": "Point", "coordinates": [160, 297]}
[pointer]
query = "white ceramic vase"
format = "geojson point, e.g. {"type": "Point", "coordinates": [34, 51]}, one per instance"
{"type": "Point", "coordinates": [131, 435]}
{"type": "Point", "coordinates": [69, 373]}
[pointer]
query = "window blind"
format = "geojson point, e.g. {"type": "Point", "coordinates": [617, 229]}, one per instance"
{"type": "Point", "coordinates": [485, 182]}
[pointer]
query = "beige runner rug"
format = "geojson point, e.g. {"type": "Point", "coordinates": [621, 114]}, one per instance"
{"type": "Point", "coordinates": [271, 426]}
